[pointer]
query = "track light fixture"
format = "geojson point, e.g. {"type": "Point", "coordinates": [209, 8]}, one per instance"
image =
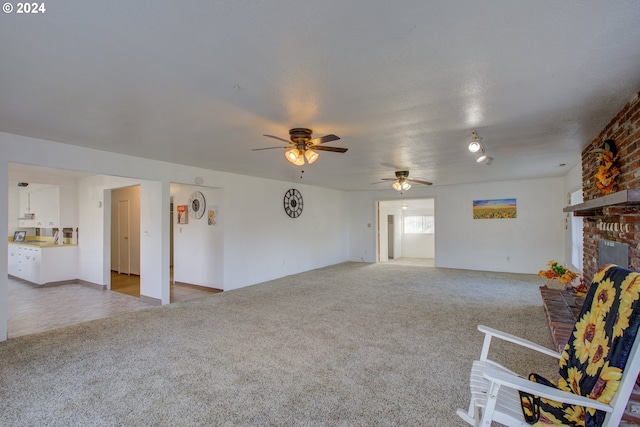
{"type": "Point", "coordinates": [476, 147]}
{"type": "Point", "coordinates": [483, 158]}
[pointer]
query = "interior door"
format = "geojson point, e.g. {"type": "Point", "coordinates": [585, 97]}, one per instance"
{"type": "Point", "coordinates": [124, 260]}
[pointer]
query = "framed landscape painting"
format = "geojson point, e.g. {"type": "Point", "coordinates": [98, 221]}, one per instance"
{"type": "Point", "coordinates": [494, 209]}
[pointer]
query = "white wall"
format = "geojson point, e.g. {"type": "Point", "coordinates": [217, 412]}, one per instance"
{"type": "Point", "coordinates": [94, 226]}
{"type": "Point", "coordinates": [13, 208]}
{"type": "Point", "coordinates": [198, 247]}
{"type": "Point", "coordinates": [418, 245]}
{"type": "Point", "coordinates": [4, 289]}
{"type": "Point", "coordinates": [529, 241]}
{"type": "Point", "coordinates": [94, 236]}
{"type": "Point", "coordinates": [260, 241]}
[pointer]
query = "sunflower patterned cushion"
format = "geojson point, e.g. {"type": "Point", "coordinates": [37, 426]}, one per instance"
{"type": "Point", "coordinates": [591, 363]}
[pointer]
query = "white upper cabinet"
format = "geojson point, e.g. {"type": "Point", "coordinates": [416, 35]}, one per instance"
{"type": "Point", "coordinates": [68, 207]}
{"type": "Point", "coordinates": [54, 206]}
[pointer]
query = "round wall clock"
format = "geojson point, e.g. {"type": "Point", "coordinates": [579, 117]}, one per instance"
{"type": "Point", "coordinates": [196, 205]}
{"type": "Point", "coordinates": [293, 203]}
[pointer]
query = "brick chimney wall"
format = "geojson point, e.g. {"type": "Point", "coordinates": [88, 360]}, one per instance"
{"type": "Point", "coordinates": [625, 130]}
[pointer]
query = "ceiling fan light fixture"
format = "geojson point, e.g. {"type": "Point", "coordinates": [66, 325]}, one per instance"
{"type": "Point", "coordinates": [404, 206]}
{"type": "Point", "coordinates": [401, 185]}
{"type": "Point", "coordinates": [294, 156]}
{"type": "Point", "coordinates": [291, 155]}
{"type": "Point", "coordinates": [301, 144]}
{"type": "Point", "coordinates": [311, 156]}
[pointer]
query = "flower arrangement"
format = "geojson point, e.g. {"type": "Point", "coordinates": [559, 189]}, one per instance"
{"type": "Point", "coordinates": [558, 272]}
{"type": "Point", "coordinates": [607, 169]}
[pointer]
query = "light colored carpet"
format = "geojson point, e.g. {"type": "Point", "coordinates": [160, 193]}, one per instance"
{"type": "Point", "coordinates": [347, 345]}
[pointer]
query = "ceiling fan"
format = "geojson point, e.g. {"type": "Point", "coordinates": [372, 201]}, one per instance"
{"type": "Point", "coordinates": [302, 146]}
{"type": "Point", "coordinates": [402, 181]}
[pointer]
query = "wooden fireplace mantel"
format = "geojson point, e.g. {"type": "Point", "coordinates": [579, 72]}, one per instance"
{"type": "Point", "coordinates": [629, 197]}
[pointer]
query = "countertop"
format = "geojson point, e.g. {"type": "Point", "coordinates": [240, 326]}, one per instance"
{"type": "Point", "coordinates": [39, 243]}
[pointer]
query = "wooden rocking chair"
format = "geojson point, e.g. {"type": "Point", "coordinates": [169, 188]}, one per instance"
{"type": "Point", "coordinates": [598, 366]}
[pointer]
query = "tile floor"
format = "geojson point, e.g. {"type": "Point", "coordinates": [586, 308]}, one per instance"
{"type": "Point", "coordinates": [414, 262]}
{"type": "Point", "coordinates": [33, 308]}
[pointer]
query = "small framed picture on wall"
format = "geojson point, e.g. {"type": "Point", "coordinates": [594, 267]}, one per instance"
{"type": "Point", "coordinates": [183, 214]}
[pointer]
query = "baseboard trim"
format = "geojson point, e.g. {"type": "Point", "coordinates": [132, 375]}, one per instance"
{"type": "Point", "coordinates": [61, 283]}
{"type": "Point", "coordinates": [191, 285]}
{"type": "Point", "coordinates": [150, 300]}
{"type": "Point", "coordinates": [91, 285]}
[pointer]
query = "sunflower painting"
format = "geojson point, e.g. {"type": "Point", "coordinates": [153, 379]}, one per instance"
{"type": "Point", "coordinates": [591, 363]}
{"type": "Point", "coordinates": [494, 209]}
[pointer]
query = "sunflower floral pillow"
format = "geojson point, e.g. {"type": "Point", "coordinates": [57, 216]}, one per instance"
{"type": "Point", "coordinates": [591, 363]}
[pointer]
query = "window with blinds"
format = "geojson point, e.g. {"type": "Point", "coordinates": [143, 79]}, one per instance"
{"type": "Point", "coordinates": [419, 224]}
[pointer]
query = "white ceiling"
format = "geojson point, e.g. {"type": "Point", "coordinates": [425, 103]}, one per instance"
{"type": "Point", "coordinates": [402, 83]}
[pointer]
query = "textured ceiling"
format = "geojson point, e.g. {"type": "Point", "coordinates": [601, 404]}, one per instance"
{"type": "Point", "coordinates": [402, 83]}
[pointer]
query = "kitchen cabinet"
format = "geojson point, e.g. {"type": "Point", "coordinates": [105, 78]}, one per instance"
{"type": "Point", "coordinates": [54, 206]}
{"type": "Point", "coordinates": [24, 262]}
{"type": "Point", "coordinates": [13, 264]}
{"type": "Point", "coordinates": [31, 263]}
{"type": "Point", "coordinates": [27, 223]}
{"type": "Point", "coordinates": [44, 204]}
{"type": "Point", "coordinates": [42, 265]}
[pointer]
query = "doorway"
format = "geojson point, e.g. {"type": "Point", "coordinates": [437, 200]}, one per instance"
{"type": "Point", "coordinates": [406, 232]}
{"type": "Point", "coordinates": [124, 248]}
{"type": "Point", "coordinates": [125, 240]}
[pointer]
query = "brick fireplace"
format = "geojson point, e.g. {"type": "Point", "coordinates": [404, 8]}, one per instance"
{"type": "Point", "coordinates": [612, 220]}
{"type": "Point", "coordinates": [611, 224]}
